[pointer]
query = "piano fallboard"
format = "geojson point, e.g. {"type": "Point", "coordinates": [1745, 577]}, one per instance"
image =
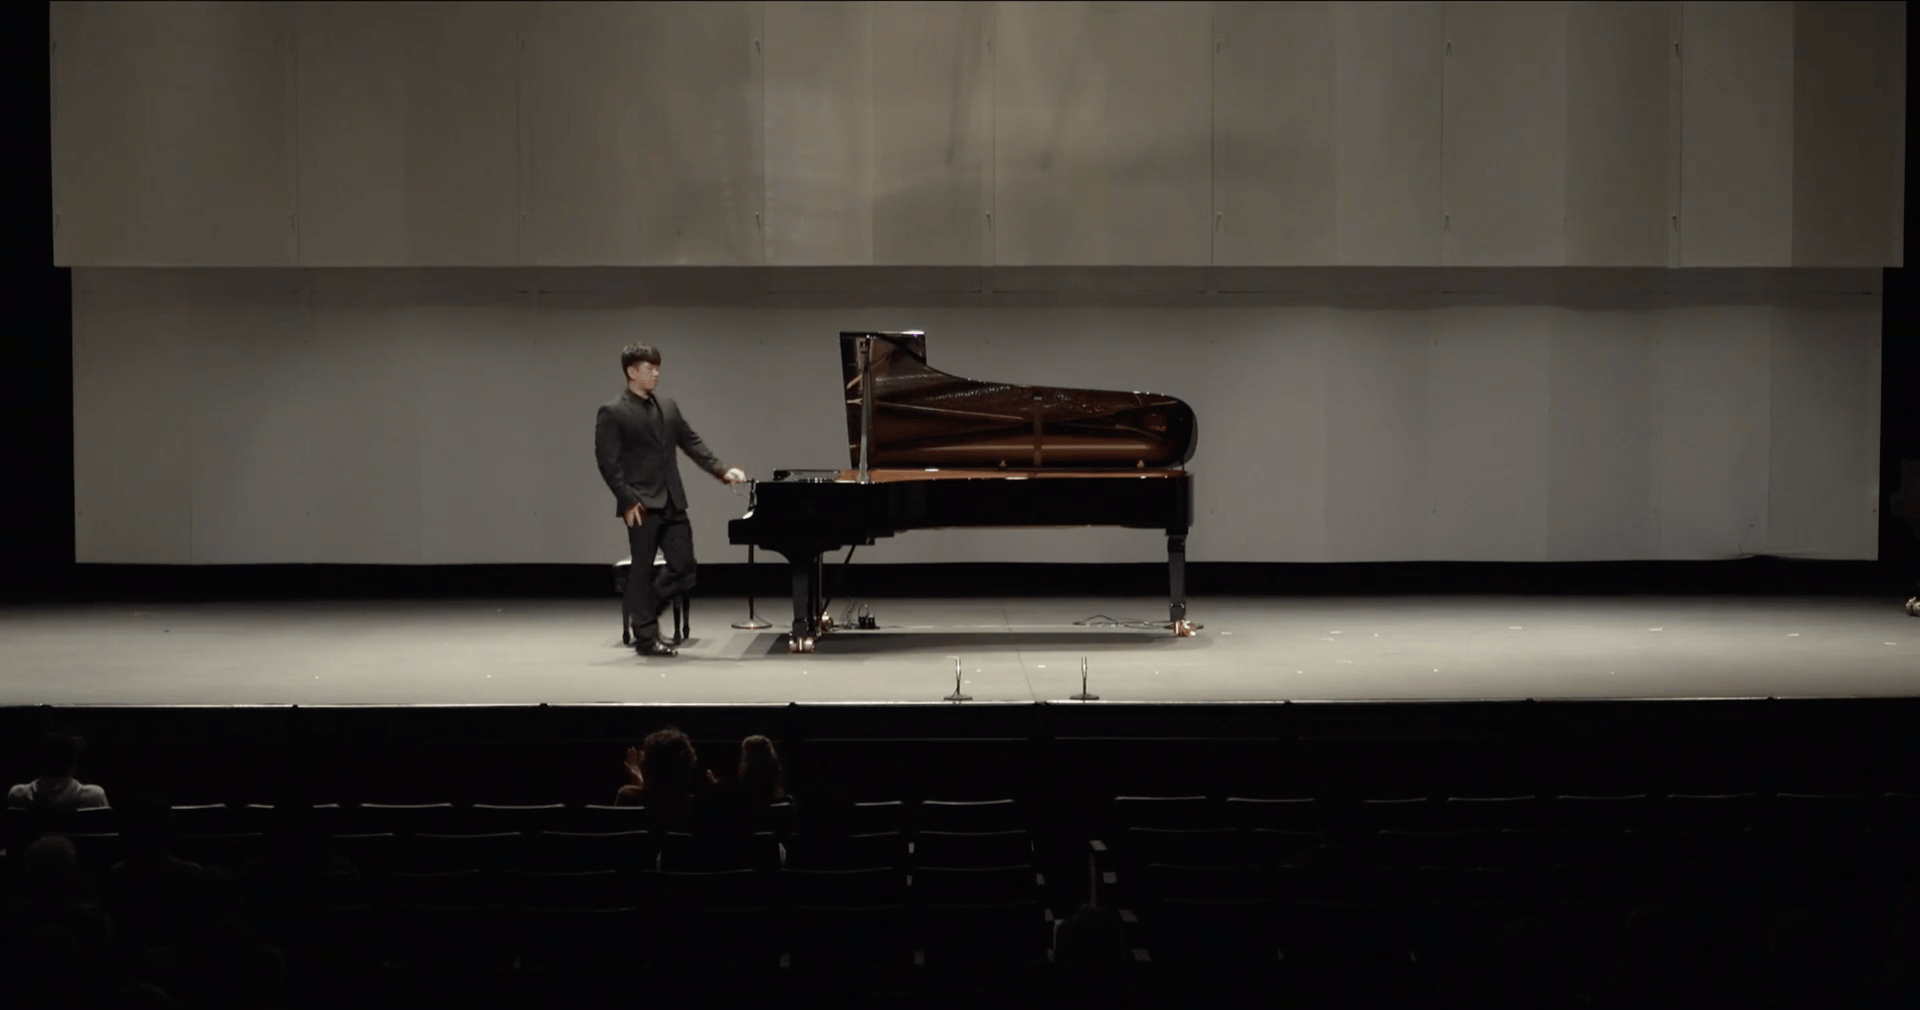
{"type": "Point", "coordinates": [831, 508]}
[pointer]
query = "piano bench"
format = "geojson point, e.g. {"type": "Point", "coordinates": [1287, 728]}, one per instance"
{"type": "Point", "coordinates": [682, 606]}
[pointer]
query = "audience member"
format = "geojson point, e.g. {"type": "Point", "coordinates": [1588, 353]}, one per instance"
{"type": "Point", "coordinates": [760, 770]}
{"type": "Point", "coordinates": [660, 778]}
{"type": "Point", "coordinates": [46, 968]}
{"type": "Point", "coordinates": [53, 892]}
{"type": "Point", "coordinates": [218, 962]}
{"type": "Point", "coordinates": [56, 762]}
{"type": "Point", "coordinates": [146, 891]}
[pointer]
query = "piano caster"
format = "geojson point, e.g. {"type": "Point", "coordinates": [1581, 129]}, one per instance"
{"type": "Point", "coordinates": [1184, 629]}
{"type": "Point", "coordinates": [795, 645]}
{"type": "Point", "coordinates": [826, 623]}
{"type": "Point", "coordinates": [1913, 607]}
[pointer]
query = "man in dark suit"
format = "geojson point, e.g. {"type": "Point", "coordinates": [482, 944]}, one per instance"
{"type": "Point", "coordinates": [634, 437]}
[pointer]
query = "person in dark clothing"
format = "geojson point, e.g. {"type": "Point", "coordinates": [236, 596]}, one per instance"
{"type": "Point", "coordinates": [146, 891]}
{"type": "Point", "coordinates": [660, 777]}
{"type": "Point", "coordinates": [634, 437]}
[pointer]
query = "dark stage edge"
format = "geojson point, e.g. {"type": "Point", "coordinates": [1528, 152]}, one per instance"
{"type": "Point", "coordinates": [1752, 576]}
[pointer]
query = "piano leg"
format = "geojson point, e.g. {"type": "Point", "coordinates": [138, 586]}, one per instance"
{"type": "Point", "coordinates": [1177, 584]}
{"type": "Point", "coordinates": [806, 602]}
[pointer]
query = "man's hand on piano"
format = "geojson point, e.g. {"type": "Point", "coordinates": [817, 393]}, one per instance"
{"type": "Point", "coordinates": [734, 475]}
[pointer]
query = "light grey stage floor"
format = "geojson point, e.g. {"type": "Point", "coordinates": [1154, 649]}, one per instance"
{"type": "Point", "coordinates": [521, 652]}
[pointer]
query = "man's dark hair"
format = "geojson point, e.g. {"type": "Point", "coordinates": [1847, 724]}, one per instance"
{"type": "Point", "coordinates": [635, 353]}
{"type": "Point", "coordinates": [56, 754]}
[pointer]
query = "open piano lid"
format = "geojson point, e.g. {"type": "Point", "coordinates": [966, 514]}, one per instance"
{"type": "Point", "coordinates": [923, 417]}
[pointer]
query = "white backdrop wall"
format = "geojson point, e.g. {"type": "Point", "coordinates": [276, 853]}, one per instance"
{"type": "Point", "coordinates": [1056, 133]}
{"type": "Point", "coordinates": [444, 416]}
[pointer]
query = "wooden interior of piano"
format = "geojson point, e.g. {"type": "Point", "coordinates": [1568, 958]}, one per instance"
{"type": "Point", "coordinates": [929, 425]}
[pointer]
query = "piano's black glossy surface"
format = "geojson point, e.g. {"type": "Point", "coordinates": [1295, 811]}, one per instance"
{"type": "Point", "coordinates": [956, 453]}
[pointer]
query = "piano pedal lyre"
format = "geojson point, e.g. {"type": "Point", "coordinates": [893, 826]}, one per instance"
{"type": "Point", "coordinates": [1184, 629]}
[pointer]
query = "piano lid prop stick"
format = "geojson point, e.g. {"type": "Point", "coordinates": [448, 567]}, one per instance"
{"type": "Point", "coordinates": [866, 405]}
{"type": "Point", "coordinates": [1083, 695]}
{"type": "Point", "coordinates": [956, 695]}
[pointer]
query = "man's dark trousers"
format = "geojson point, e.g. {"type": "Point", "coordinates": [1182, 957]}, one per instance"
{"type": "Point", "coordinates": [668, 531]}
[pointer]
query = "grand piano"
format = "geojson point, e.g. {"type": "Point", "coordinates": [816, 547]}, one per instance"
{"type": "Point", "coordinates": [930, 450]}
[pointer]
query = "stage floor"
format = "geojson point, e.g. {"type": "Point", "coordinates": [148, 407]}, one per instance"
{"type": "Point", "coordinates": [567, 652]}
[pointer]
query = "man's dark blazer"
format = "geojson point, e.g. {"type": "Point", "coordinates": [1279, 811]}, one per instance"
{"type": "Point", "coordinates": [637, 461]}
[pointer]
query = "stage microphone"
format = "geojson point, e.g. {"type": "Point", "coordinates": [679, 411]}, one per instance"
{"type": "Point", "coordinates": [1083, 695]}
{"type": "Point", "coordinates": [956, 695]}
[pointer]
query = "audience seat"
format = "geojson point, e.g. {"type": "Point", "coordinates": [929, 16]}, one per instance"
{"type": "Point", "coordinates": [869, 936]}
{"type": "Point", "coordinates": [847, 852]}
{"type": "Point", "coordinates": [990, 885]}
{"type": "Point", "coordinates": [1596, 813]}
{"type": "Point", "coordinates": [370, 853]}
{"type": "Point", "coordinates": [528, 819]}
{"type": "Point", "coordinates": [881, 885]}
{"type": "Point", "coordinates": [406, 818]}
{"type": "Point", "coordinates": [1406, 814]}
{"type": "Point", "coordinates": [472, 936]}
{"type": "Point", "coordinates": [216, 819]}
{"type": "Point", "coordinates": [584, 889]}
{"type": "Point", "coordinates": [976, 933]}
{"type": "Point", "coordinates": [1487, 813]}
{"type": "Point", "coordinates": [595, 818]}
{"type": "Point", "coordinates": [956, 849]}
{"type": "Point", "coordinates": [1162, 812]}
{"type": "Point", "coordinates": [594, 850]}
{"type": "Point", "coordinates": [504, 850]}
{"type": "Point", "coordinates": [226, 851]}
{"type": "Point", "coordinates": [447, 888]}
{"type": "Point", "coordinates": [1293, 814]}
{"type": "Point", "coordinates": [579, 936]}
{"type": "Point", "coordinates": [971, 816]}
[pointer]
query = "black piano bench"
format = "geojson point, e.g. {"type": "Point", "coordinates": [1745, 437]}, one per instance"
{"type": "Point", "coordinates": [682, 606]}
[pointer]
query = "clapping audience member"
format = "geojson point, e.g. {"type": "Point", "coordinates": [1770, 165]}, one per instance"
{"type": "Point", "coordinates": [660, 778]}
{"type": "Point", "coordinates": [56, 763]}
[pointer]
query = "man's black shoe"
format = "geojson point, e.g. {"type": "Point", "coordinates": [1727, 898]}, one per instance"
{"type": "Point", "coordinates": [656, 648]}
